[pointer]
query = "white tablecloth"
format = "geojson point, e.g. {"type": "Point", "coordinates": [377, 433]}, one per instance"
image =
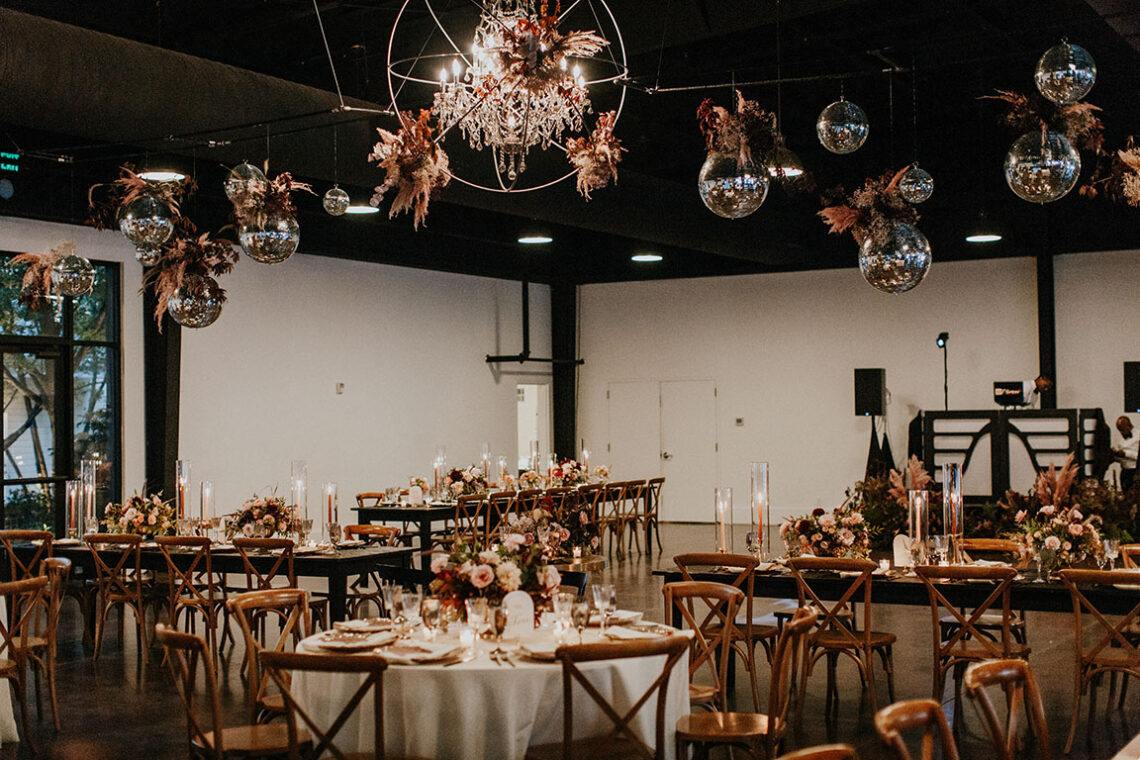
{"type": "Point", "coordinates": [478, 709]}
{"type": "Point", "coordinates": [8, 731]}
{"type": "Point", "coordinates": [1130, 752]}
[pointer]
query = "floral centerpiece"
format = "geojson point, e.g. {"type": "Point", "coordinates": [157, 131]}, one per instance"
{"type": "Point", "coordinates": [414, 481]}
{"type": "Point", "coordinates": [530, 479]}
{"type": "Point", "coordinates": [882, 500]}
{"type": "Point", "coordinates": [843, 533]}
{"type": "Point", "coordinates": [556, 533]}
{"type": "Point", "coordinates": [1057, 537]}
{"type": "Point", "coordinates": [141, 515]}
{"type": "Point", "coordinates": [270, 512]}
{"type": "Point", "coordinates": [493, 573]}
{"type": "Point", "coordinates": [602, 472]}
{"type": "Point", "coordinates": [469, 480]}
{"type": "Point", "coordinates": [569, 473]}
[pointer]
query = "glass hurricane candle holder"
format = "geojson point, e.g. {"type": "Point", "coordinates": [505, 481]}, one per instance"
{"type": "Point", "coordinates": [759, 511]}
{"type": "Point", "coordinates": [952, 513]}
{"type": "Point", "coordinates": [74, 494]}
{"type": "Point", "coordinates": [299, 487]}
{"type": "Point", "coordinates": [87, 473]}
{"type": "Point", "coordinates": [723, 519]}
{"type": "Point", "coordinates": [918, 516]}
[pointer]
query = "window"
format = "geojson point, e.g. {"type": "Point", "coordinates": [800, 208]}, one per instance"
{"type": "Point", "coordinates": [60, 376]}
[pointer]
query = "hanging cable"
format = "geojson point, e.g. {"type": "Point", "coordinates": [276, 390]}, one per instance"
{"type": "Point", "coordinates": [914, 108]}
{"type": "Point", "coordinates": [891, 116]}
{"type": "Point", "coordinates": [328, 52]}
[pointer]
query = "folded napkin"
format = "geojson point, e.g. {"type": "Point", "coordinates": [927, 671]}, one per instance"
{"type": "Point", "coordinates": [418, 652]}
{"type": "Point", "coordinates": [621, 633]}
{"type": "Point", "coordinates": [66, 541]}
{"type": "Point", "coordinates": [351, 642]}
{"type": "Point", "coordinates": [619, 617]}
{"type": "Point", "coordinates": [989, 563]}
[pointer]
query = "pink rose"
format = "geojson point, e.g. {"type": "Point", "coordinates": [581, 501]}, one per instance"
{"type": "Point", "coordinates": [1020, 516]}
{"type": "Point", "coordinates": [528, 539]}
{"type": "Point", "coordinates": [564, 534]}
{"type": "Point", "coordinates": [551, 577]}
{"type": "Point", "coordinates": [482, 576]}
{"type": "Point", "coordinates": [151, 520]}
{"type": "Point", "coordinates": [1076, 529]}
{"type": "Point", "coordinates": [1047, 510]}
{"type": "Point", "coordinates": [1076, 515]}
{"type": "Point", "coordinates": [514, 540]}
{"type": "Point", "coordinates": [583, 518]}
{"type": "Point", "coordinates": [1067, 546]}
{"type": "Point", "coordinates": [438, 563]}
{"type": "Point", "coordinates": [1053, 543]}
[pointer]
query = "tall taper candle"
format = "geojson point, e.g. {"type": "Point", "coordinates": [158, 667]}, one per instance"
{"type": "Point", "coordinates": [183, 487]}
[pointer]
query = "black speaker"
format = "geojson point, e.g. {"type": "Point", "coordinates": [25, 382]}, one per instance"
{"type": "Point", "coordinates": [1132, 387]}
{"type": "Point", "coordinates": [870, 392]}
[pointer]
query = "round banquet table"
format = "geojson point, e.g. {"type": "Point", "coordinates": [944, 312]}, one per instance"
{"type": "Point", "coordinates": [480, 709]}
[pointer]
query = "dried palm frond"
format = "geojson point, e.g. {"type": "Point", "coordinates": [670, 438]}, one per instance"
{"type": "Point", "coordinates": [413, 164]}
{"type": "Point", "coordinates": [254, 203]}
{"type": "Point", "coordinates": [870, 211]}
{"type": "Point", "coordinates": [749, 130]}
{"type": "Point", "coordinates": [36, 285]}
{"type": "Point", "coordinates": [1117, 175]}
{"type": "Point", "coordinates": [1053, 486]}
{"type": "Point", "coordinates": [201, 255]}
{"type": "Point", "coordinates": [534, 51]}
{"type": "Point", "coordinates": [595, 158]}
{"type": "Point", "coordinates": [918, 476]}
{"type": "Point", "coordinates": [127, 189]}
{"type": "Point", "coordinates": [1078, 122]}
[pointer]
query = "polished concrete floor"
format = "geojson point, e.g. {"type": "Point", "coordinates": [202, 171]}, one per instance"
{"type": "Point", "coordinates": [115, 708]}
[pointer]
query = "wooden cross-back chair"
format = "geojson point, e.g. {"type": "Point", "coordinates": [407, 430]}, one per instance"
{"type": "Point", "coordinates": [527, 500]}
{"type": "Point", "coordinates": [18, 569]}
{"type": "Point", "coordinates": [408, 531]}
{"type": "Point", "coordinates": [193, 590]}
{"type": "Point", "coordinates": [823, 752]}
{"type": "Point", "coordinates": [470, 514]}
{"type": "Point", "coordinates": [759, 733]}
{"type": "Point", "coordinates": [611, 521]}
{"type": "Point", "coordinates": [633, 513]}
{"type": "Point", "coordinates": [290, 606]}
{"type": "Point", "coordinates": [991, 622]}
{"type": "Point", "coordinates": [749, 630]}
{"type": "Point", "coordinates": [1130, 555]}
{"type": "Point", "coordinates": [714, 628]}
{"type": "Point", "coordinates": [622, 740]}
{"type": "Point", "coordinates": [836, 634]}
{"type": "Point", "coordinates": [652, 504]}
{"type": "Point", "coordinates": [365, 588]}
{"type": "Point", "coordinates": [590, 496]}
{"type": "Point", "coordinates": [1020, 688]}
{"type": "Point", "coordinates": [557, 497]}
{"type": "Point", "coordinates": [186, 654]}
{"type": "Point", "coordinates": [968, 641]}
{"type": "Point", "coordinates": [282, 567]}
{"type": "Point", "coordinates": [58, 572]}
{"type": "Point", "coordinates": [119, 583]}
{"type": "Point", "coordinates": [25, 602]}
{"type": "Point", "coordinates": [282, 665]}
{"type": "Point", "coordinates": [1113, 650]}
{"type": "Point", "coordinates": [914, 715]}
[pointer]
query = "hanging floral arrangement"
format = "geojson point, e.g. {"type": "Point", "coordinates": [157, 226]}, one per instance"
{"type": "Point", "coordinates": [185, 258]}
{"type": "Point", "coordinates": [36, 285]}
{"type": "Point", "coordinates": [533, 53]}
{"type": "Point", "coordinates": [105, 200]}
{"type": "Point", "coordinates": [1078, 121]}
{"type": "Point", "coordinates": [871, 211]}
{"type": "Point", "coordinates": [255, 202]}
{"type": "Point", "coordinates": [595, 158]}
{"type": "Point", "coordinates": [1116, 176]}
{"type": "Point", "coordinates": [413, 163]}
{"type": "Point", "coordinates": [749, 131]}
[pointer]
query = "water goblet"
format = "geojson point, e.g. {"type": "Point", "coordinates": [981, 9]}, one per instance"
{"type": "Point", "coordinates": [1111, 551]}
{"type": "Point", "coordinates": [605, 602]}
{"type": "Point", "coordinates": [580, 614]}
{"type": "Point", "coordinates": [411, 604]}
{"type": "Point", "coordinates": [216, 525]}
{"type": "Point", "coordinates": [393, 601]}
{"type": "Point", "coordinates": [918, 552]}
{"type": "Point", "coordinates": [431, 613]}
{"type": "Point", "coordinates": [391, 495]}
{"type": "Point", "coordinates": [497, 616]}
{"type": "Point", "coordinates": [940, 548]}
{"type": "Point", "coordinates": [476, 613]}
{"type": "Point", "coordinates": [306, 530]}
{"type": "Point", "coordinates": [1044, 559]}
{"type": "Point", "coordinates": [755, 546]}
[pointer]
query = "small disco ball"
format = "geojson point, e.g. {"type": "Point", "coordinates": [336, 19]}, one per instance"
{"type": "Point", "coordinates": [148, 223]}
{"type": "Point", "coordinates": [1042, 168]}
{"type": "Point", "coordinates": [335, 201]}
{"type": "Point", "coordinates": [897, 263]}
{"type": "Point", "coordinates": [842, 127]}
{"type": "Point", "coordinates": [197, 303]}
{"type": "Point", "coordinates": [1065, 73]}
{"type": "Point", "coordinates": [269, 237]}
{"type": "Point", "coordinates": [242, 180]}
{"type": "Point", "coordinates": [916, 185]}
{"type": "Point", "coordinates": [731, 187]}
{"type": "Point", "coordinates": [72, 276]}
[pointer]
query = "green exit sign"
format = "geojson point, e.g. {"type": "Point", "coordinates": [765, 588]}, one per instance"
{"type": "Point", "coordinates": [9, 162]}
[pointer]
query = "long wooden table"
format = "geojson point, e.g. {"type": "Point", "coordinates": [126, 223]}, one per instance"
{"type": "Point", "coordinates": [388, 561]}
{"type": "Point", "coordinates": [423, 515]}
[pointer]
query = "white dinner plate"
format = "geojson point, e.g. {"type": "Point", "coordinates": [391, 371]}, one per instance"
{"type": "Point", "coordinates": [620, 617]}
{"type": "Point", "coordinates": [367, 625]}
{"type": "Point", "coordinates": [349, 641]}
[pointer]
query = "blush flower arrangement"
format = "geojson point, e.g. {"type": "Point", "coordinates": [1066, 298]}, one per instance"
{"type": "Point", "coordinates": [569, 473]}
{"type": "Point", "coordinates": [140, 515]}
{"type": "Point", "coordinates": [530, 479]}
{"type": "Point", "coordinates": [469, 480]}
{"type": "Point", "coordinates": [469, 572]}
{"type": "Point", "coordinates": [414, 481]}
{"type": "Point", "coordinates": [843, 533]}
{"type": "Point", "coordinates": [1058, 537]}
{"type": "Point", "coordinates": [270, 512]}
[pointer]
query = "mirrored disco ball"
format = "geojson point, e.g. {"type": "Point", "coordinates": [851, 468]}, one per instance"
{"type": "Point", "coordinates": [1042, 168]}
{"type": "Point", "coordinates": [269, 237]}
{"type": "Point", "coordinates": [1065, 73]}
{"type": "Point", "coordinates": [730, 187]}
{"type": "Point", "coordinates": [148, 223]}
{"type": "Point", "coordinates": [242, 179]}
{"type": "Point", "coordinates": [899, 263]}
{"type": "Point", "coordinates": [72, 276]}
{"type": "Point", "coordinates": [842, 127]}
{"type": "Point", "coordinates": [916, 185]}
{"type": "Point", "coordinates": [198, 303]}
{"type": "Point", "coordinates": [335, 201]}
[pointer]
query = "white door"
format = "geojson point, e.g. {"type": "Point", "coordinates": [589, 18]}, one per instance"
{"type": "Point", "coordinates": [635, 430]}
{"type": "Point", "coordinates": [667, 428]}
{"type": "Point", "coordinates": [688, 450]}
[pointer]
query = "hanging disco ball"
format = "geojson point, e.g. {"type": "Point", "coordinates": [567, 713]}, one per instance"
{"type": "Point", "coordinates": [1065, 73]}
{"type": "Point", "coordinates": [730, 186]}
{"type": "Point", "coordinates": [842, 127]}
{"type": "Point", "coordinates": [899, 262]}
{"type": "Point", "coordinates": [1042, 168]}
{"type": "Point", "coordinates": [72, 275]}
{"type": "Point", "coordinates": [270, 236]}
{"type": "Point", "coordinates": [786, 167]}
{"type": "Point", "coordinates": [148, 223]}
{"type": "Point", "coordinates": [197, 303]}
{"type": "Point", "coordinates": [916, 185]}
{"type": "Point", "coordinates": [242, 180]}
{"type": "Point", "coordinates": [335, 201]}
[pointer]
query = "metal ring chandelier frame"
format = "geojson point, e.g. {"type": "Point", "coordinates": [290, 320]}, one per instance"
{"type": "Point", "coordinates": [395, 73]}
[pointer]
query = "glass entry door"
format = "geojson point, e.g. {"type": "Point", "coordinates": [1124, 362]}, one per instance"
{"type": "Point", "coordinates": [36, 407]}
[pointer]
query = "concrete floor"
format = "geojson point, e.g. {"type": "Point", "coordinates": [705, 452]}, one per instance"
{"type": "Point", "coordinates": [116, 709]}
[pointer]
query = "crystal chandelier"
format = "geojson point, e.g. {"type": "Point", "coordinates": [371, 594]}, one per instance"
{"type": "Point", "coordinates": [520, 87]}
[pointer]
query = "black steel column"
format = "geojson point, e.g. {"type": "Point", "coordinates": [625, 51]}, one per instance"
{"type": "Point", "coordinates": [564, 346]}
{"type": "Point", "coordinates": [162, 366]}
{"type": "Point", "coordinates": [1047, 327]}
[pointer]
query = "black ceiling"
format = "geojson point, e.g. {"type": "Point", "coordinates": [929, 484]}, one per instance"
{"type": "Point", "coordinates": [958, 50]}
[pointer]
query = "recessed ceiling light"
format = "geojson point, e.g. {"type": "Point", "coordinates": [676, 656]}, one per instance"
{"type": "Point", "coordinates": [983, 238]}
{"type": "Point", "coordinates": [362, 209]}
{"type": "Point", "coordinates": [641, 257]}
{"type": "Point", "coordinates": [162, 175]}
{"type": "Point", "coordinates": [535, 239]}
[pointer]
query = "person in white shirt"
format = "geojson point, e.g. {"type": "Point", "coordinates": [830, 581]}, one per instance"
{"type": "Point", "coordinates": [1126, 452]}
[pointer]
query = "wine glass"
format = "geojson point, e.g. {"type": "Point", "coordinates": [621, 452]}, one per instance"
{"type": "Point", "coordinates": [476, 613]}
{"type": "Point", "coordinates": [411, 603]}
{"type": "Point", "coordinates": [1045, 559]}
{"type": "Point", "coordinates": [393, 602]}
{"type": "Point", "coordinates": [580, 614]}
{"type": "Point", "coordinates": [605, 602]}
{"type": "Point", "coordinates": [755, 546]}
{"type": "Point", "coordinates": [430, 611]}
{"type": "Point", "coordinates": [497, 616]}
{"type": "Point", "coordinates": [918, 553]}
{"type": "Point", "coordinates": [1111, 551]}
{"type": "Point", "coordinates": [940, 547]}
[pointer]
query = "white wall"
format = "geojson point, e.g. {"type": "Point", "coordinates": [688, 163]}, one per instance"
{"type": "Point", "coordinates": [258, 386]}
{"type": "Point", "coordinates": [26, 235]}
{"type": "Point", "coordinates": [782, 348]}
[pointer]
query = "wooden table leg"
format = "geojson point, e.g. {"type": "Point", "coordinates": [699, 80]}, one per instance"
{"type": "Point", "coordinates": [338, 596]}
